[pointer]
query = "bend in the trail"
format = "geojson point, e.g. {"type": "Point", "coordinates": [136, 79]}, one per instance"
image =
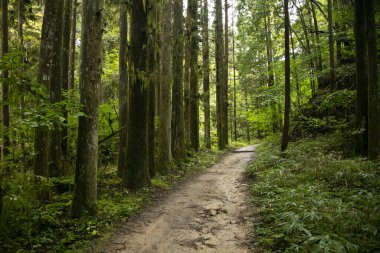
{"type": "Point", "coordinates": [207, 213]}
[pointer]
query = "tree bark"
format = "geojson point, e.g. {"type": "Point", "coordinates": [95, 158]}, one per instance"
{"type": "Point", "coordinates": [194, 102]}
{"type": "Point", "coordinates": [285, 133]}
{"type": "Point", "coordinates": [186, 81]}
{"type": "Point", "coordinates": [65, 76]}
{"type": "Point", "coordinates": [85, 191]}
{"type": "Point", "coordinates": [206, 75]}
{"type": "Point", "coordinates": [154, 85]}
{"type": "Point", "coordinates": [41, 158]}
{"type": "Point", "coordinates": [234, 69]}
{"type": "Point", "coordinates": [73, 26]}
{"type": "Point", "coordinates": [331, 46]}
{"type": "Point", "coordinates": [4, 52]}
{"type": "Point", "coordinates": [373, 87]}
{"type": "Point", "coordinates": [136, 174]}
{"type": "Point", "coordinates": [361, 78]}
{"type": "Point", "coordinates": [226, 74]}
{"type": "Point", "coordinates": [219, 60]}
{"type": "Point", "coordinates": [178, 127]}
{"type": "Point", "coordinates": [123, 85]}
{"type": "Point", "coordinates": [164, 131]}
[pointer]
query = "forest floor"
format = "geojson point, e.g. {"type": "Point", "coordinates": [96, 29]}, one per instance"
{"type": "Point", "coordinates": [209, 212]}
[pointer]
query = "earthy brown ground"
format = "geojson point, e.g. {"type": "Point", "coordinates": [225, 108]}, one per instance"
{"type": "Point", "coordinates": [207, 213]}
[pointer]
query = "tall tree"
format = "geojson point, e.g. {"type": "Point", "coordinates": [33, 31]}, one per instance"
{"type": "Point", "coordinates": [186, 79]}
{"type": "Point", "coordinates": [123, 85]}
{"type": "Point", "coordinates": [373, 87]}
{"type": "Point", "coordinates": [285, 133]}
{"type": "Point", "coordinates": [55, 92]}
{"type": "Point", "coordinates": [234, 76]}
{"type": "Point", "coordinates": [164, 132]}
{"type": "Point", "coordinates": [361, 78]}
{"type": "Point", "coordinates": [331, 45]}
{"type": "Point", "coordinates": [73, 32]}
{"type": "Point", "coordinates": [4, 52]}
{"type": "Point", "coordinates": [194, 107]}
{"type": "Point", "coordinates": [85, 191]}
{"type": "Point", "coordinates": [206, 75]}
{"type": "Point", "coordinates": [136, 173]}
{"type": "Point", "coordinates": [219, 60]}
{"type": "Point", "coordinates": [41, 141]}
{"type": "Point", "coordinates": [178, 135]}
{"type": "Point", "coordinates": [226, 74]}
{"type": "Point", "coordinates": [154, 84]}
{"type": "Point", "coordinates": [65, 70]}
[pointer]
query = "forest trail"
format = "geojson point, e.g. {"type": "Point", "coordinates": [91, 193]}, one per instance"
{"type": "Point", "coordinates": [207, 213]}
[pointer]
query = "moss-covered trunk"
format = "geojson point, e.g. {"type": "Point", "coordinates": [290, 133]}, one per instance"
{"type": "Point", "coordinates": [123, 86]}
{"type": "Point", "coordinates": [136, 173]}
{"type": "Point", "coordinates": [85, 191]}
{"type": "Point", "coordinates": [206, 75]}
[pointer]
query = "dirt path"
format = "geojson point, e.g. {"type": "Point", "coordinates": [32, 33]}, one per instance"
{"type": "Point", "coordinates": [207, 213]}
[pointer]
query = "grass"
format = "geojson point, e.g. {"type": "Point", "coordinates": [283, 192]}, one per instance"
{"type": "Point", "coordinates": [48, 227]}
{"type": "Point", "coordinates": [315, 200]}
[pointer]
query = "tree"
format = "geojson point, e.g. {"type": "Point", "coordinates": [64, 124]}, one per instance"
{"type": "Point", "coordinates": [73, 27]}
{"type": "Point", "coordinates": [65, 70]}
{"type": "Point", "coordinates": [206, 75]}
{"type": "Point", "coordinates": [85, 191]}
{"type": "Point", "coordinates": [226, 72]}
{"type": "Point", "coordinates": [55, 92]}
{"type": "Point", "coordinates": [373, 87]}
{"type": "Point", "coordinates": [285, 132]}
{"type": "Point", "coordinates": [361, 78]}
{"type": "Point", "coordinates": [219, 60]}
{"type": "Point", "coordinates": [123, 85]}
{"type": "Point", "coordinates": [153, 90]}
{"type": "Point", "coordinates": [41, 158]}
{"type": "Point", "coordinates": [178, 147]}
{"type": "Point", "coordinates": [4, 52]}
{"type": "Point", "coordinates": [331, 45]}
{"type": "Point", "coordinates": [164, 131]}
{"type": "Point", "coordinates": [194, 107]}
{"type": "Point", "coordinates": [136, 174]}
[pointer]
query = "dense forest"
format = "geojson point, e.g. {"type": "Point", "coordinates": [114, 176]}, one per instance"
{"type": "Point", "coordinates": [106, 104]}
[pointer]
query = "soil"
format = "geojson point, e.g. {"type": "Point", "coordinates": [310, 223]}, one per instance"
{"type": "Point", "coordinates": [209, 212]}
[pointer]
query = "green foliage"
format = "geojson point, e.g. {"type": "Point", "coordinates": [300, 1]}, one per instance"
{"type": "Point", "coordinates": [315, 200]}
{"type": "Point", "coordinates": [34, 226]}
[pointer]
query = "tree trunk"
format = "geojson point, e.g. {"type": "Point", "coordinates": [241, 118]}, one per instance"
{"type": "Point", "coordinates": [65, 76]}
{"type": "Point", "coordinates": [226, 74]}
{"type": "Point", "coordinates": [154, 84]}
{"type": "Point", "coordinates": [361, 78]}
{"type": "Point", "coordinates": [55, 92]}
{"type": "Point", "coordinates": [285, 133]}
{"type": "Point", "coordinates": [178, 134]}
{"type": "Point", "coordinates": [41, 158]}
{"type": "Point", "coordinates": [194, 108]}
{"type": "Point", "coordinates": [164, 131]}
{"type": "Point", "coordinates": [136, 173]}
{"type": "Point", "coordinates": [373, 87]}
{"type": "Point", "coordinates": [85, 191]}
{"type": "Point", "coordinates": [73, 26]}
{"type": "Point", "coordinates": [5, 102]}
{"type": "Point", "coordinates": [234, 69]}
{"type": "Point", "coordinates": [206, 75]}
{"type": "Point", "coordinates": [123, 85]}
{"type": "Point", "coordinates": [331, 46]}
{"type": "Point", "coordinates": [219, 61]}
{"type": "Point", "coordinates": [186, 81]}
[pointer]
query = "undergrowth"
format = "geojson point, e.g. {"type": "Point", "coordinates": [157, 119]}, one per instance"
{"type": "Point", "coordinates": [32, 226]}
{"type": "Point", "coordinates": [315, 199]}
